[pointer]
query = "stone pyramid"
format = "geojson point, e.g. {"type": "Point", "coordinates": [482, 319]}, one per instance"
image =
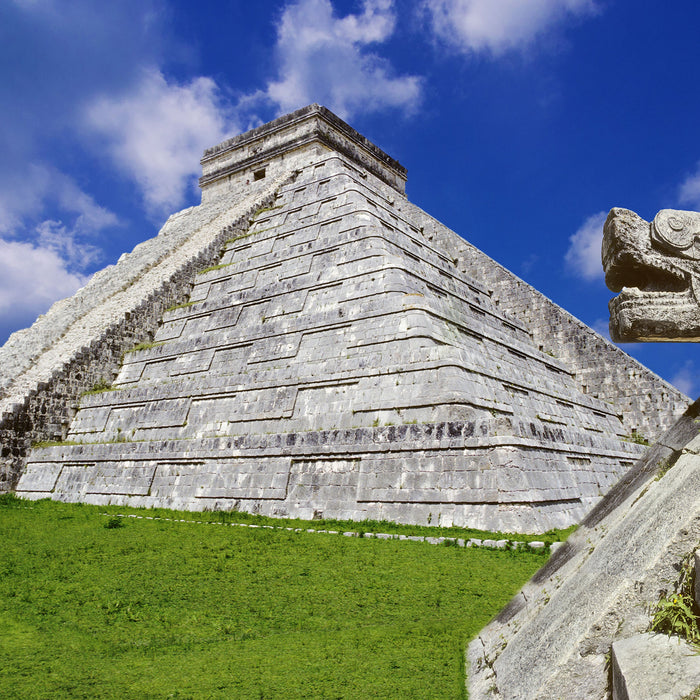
{"type": "Point", "coordinates": [337, 354]}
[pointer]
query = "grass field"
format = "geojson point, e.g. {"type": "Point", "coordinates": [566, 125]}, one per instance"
{"type": "Point", "coordinates": [163, 609]}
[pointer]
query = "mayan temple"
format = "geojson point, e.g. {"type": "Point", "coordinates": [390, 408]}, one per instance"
{"type": "Point", "coordinates": [308, 343]}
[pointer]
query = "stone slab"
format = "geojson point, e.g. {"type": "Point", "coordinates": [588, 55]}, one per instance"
{"type": "Point", "coordinates": [654, 666]}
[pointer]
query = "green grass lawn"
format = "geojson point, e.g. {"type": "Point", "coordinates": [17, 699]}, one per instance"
{"type": "Point", "coordinates": [161, 609]}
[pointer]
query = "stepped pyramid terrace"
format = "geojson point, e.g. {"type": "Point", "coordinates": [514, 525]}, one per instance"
{"type": "Point", "coordinates": [308, 343]}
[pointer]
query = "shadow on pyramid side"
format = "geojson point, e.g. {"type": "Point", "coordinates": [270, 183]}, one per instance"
{"type": "Point", "coordinates": [334, 362]}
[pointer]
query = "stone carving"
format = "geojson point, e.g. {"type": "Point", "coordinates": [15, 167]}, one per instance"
{"type": "Point", "coordinates": [656, 268]}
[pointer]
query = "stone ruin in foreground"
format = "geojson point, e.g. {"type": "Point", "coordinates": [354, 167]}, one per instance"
{"type": "Point", "coordinates": [308, 343]}
{"type": "Point", "coordinates": [582, 626]}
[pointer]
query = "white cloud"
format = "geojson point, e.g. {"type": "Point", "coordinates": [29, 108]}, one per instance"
{"type": "Point", "coordinates": [74, 223]}
{"type": "Point", "coordinates": [322, 58]}
{"type": "Point", "coordinates": [686, 379]}
{"type": "Point", "coordinates": [92, 217]}
{"type": "Point", "coordinates": [602, 327]}
{"type": "Point", "coordinates": [43, 259]}
{"type": "Point", "coordinates": [497, 26]}
{"type": "Point", "coordinates": [66, 243]}
{"type": "Point", "coordinates": [690, 190]}
{"type": "Point", "coordinates": [31, 279]}
{"type": "Point", "coordinates": [156, 133]}
{"type": "Point", "coordinates": [583, 256]}
{"type": "Point", "coordinates": [21, 196]}
{"type": "Point", "coordinates": [28, 194]}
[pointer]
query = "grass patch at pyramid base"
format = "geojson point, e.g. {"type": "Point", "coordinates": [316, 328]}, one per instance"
{"type": "Point", "coordinates": [163, 609]}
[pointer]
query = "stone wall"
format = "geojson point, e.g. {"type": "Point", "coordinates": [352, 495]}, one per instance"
{"type": "Point", "coordinates": [335, 363]}
{"type": "Point", "coordinates": [343, 307]}
{"type": "Point", "coordinates": [646, 403]}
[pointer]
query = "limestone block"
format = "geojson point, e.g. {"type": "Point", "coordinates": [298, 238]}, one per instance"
{"type": "Point", "coordinates": [654, 666]}
{"type": "Point", "coordinates": [41, 477]}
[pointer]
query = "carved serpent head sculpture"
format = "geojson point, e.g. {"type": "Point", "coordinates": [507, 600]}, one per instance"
{"type": "Point", "coordinates": [655, 267]}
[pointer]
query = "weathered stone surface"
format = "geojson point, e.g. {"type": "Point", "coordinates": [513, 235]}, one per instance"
{"type": "Point", "coordinates": [80, 341]}
{"type": "Point", "coordinates": [344, 358]}
{"type": "Point", "coordinates": [553, 637]}
{"type": "Point", "coordinates": [655, 267]}
{"type": "Point", "coordinates": [654, 666]}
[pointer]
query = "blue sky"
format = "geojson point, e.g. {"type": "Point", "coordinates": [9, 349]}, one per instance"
{"type": "Point", "coordinates": [521, 123]}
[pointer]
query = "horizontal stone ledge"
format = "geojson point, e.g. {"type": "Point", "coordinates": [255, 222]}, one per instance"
{"type": "Point", "coordinates": [460, 500]}
{"type": "Point", "coordinates": [166, 451]}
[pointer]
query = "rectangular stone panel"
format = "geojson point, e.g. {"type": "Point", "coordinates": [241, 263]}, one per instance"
{"type": "Point", "coordinates": [235, 283]}
{"type": "Point", "coordinates": [321, 480]}
{"type": "Point", "coordinates": [414, 479]}
{"type": "Point", "coordinates": [154, 414]}
{"type": "Point", "coordinates": [223, 318]}
{"type": "Point", "coordinates": [159, 370]}
{"type": "Point", "coordinates": [263, 404]}
{"type": "Point", "coordinates": [283, 304]}
{"type": "Point", "coordinates": [40, 476]}
{"type": "Point", "coordinates": [263, 478]}
{"type": "Point", "coordinates": [90, 419]}
{"type": "Point", "coordinates": [175, 479]}
{"type": "Point", "coordinates": [267, 349]}
{"type": "Point", "coordinates": [306, 234]}
{"type": "Point", "coordinates": [191, 362]}
{"type": "Point", "coordinates": [130, 372]}
{"type": "Point", "coordinates": [125, 478]}
{"type": "Point", "coordinates": [171, 329]}
{"type": "Point", "coordinates": [163, 414]}
{"type": "Point", "coordinates": [74, 479]}
{"type": "Point", "coordinates": [230, 360]}
{"type": "Point", "coordinates": [251, 318]}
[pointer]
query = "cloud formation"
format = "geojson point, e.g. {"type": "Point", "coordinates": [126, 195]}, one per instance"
{"type": "Point", "coordinates": [58, 54]}
{"type": "Point", "coordinates": [42, 188]}
{"type": "Point", "coordinates": [583, 255]}
{"type": "Point", "coordinates": [44, 259]}
{"type": "Point", "coordinates": [157, 131]}
{"type": "Point", "coordinates": [498, 26]}
{"type": "Point", "coordinates": [32, 277]}
{"type": "Point", "coordinates": [686, 379]}
{"type": "Point", "coordinates": [324, 58]}
{"type": "Point", "coordinates": [689, 193]}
